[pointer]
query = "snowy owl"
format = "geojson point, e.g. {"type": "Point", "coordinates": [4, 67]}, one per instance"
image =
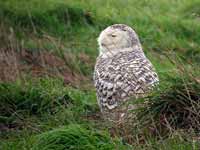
{"type": "Point", "coordinates": [122, 71]}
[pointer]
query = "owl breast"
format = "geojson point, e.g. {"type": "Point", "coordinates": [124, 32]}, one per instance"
{"type": "Point", "coordinates": [124, 75]}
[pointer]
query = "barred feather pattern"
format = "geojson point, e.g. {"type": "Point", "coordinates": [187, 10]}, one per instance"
{"type": "Point", "coordinates": [120, 76]}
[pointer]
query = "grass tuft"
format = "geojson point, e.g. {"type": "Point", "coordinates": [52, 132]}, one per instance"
{"type": "Point", "coordinates": [36, 97]}
{"type": "Point", "coordinates": [175, 106]}
{"type": "Point", "coordinates": [75, 137]}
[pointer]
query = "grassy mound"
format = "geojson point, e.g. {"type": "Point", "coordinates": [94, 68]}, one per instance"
{"type": "Point", "coordinates": [36, 97]}
{"type": "Point", "coordinates": [75, 137]}
{"type": "Point", "coordinates": [176, 106]}
{"type": "Point", "coordinates": [32, 96]}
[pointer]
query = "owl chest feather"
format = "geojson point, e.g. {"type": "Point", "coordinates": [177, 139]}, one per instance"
{"type": "Point", "coordinates": [122, 76]}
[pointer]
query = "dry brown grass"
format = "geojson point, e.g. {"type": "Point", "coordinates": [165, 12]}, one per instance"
{"type": "Point", "coordinates": [16, 61]}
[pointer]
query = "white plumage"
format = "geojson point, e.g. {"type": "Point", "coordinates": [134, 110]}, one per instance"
{"type": "Point", "coordinates": [122, 71]}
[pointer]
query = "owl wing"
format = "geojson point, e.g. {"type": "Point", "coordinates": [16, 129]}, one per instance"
{"type": "Point", "coordinates": [125, 75]}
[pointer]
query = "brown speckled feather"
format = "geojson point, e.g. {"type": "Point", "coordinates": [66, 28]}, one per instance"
{"type": "Point", "coordinates": [125, 74]}
{"type": "Point", "coordinates": [122, 72]}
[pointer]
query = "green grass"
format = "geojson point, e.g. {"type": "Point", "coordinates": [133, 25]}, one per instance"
{"type": "Point", "coordinates": [73, 27]}
{"type": "Point", "coordinates": [75, 137]}
{"type": "Point", "coordinates": [174, 105]}
{"type": "Point", "coordinates": [44, 113]}
{"type": "Point", "coordinates": [20, 101]}
{"type": "Point", "coordinates": [70, 118]}
{"type": "Point", "coordinates": [162, 26]}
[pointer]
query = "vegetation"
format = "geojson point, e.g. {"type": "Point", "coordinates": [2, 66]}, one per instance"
{"type": "Point", "coordinates": [173, 107]}
{"type": "Point", "coordinates": [76, 137]}
{"type": "Point", "coordinates": [47, 54]}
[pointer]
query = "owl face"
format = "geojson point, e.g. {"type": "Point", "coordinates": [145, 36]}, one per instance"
{"type": "Point", "coordinates": [117, 37]}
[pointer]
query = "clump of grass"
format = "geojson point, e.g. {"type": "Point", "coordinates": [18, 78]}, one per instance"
{"type": "Point", "coordinates": [175, 106]}
{"type": "Point", "coordinates": [34, 96]}
{"type": "Point", "coordinates": [45, 95]}
{"type": "Point", "coordinates": [76, 137]}
{"type": "Point", "coordinates": [29, 98]}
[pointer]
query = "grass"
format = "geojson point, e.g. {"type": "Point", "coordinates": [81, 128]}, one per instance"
{"type": "Point", "coordinates": [44, 96]}
{"type": "Point", "coordinates": [173, 107]}
{"type": "Point", "coordinates": [172, 26]}
{"type": "Point", "coordinates": [44, 112]}
{"type": "Point", "coordinates": [75, 137]}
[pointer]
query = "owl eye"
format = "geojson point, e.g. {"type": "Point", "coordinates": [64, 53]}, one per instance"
{"type": "Point", "coordinates": [113, 35]}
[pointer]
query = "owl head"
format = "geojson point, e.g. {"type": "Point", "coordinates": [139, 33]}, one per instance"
{"type": "Point", "coordinates": [117, 37]}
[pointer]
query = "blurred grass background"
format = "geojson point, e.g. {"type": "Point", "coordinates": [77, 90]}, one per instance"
{"type": "Point", "coordinates": [47, 55]}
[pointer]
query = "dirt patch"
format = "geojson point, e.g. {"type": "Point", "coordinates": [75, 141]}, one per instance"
{"type": "Point", "coordinates": [15, 64]}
